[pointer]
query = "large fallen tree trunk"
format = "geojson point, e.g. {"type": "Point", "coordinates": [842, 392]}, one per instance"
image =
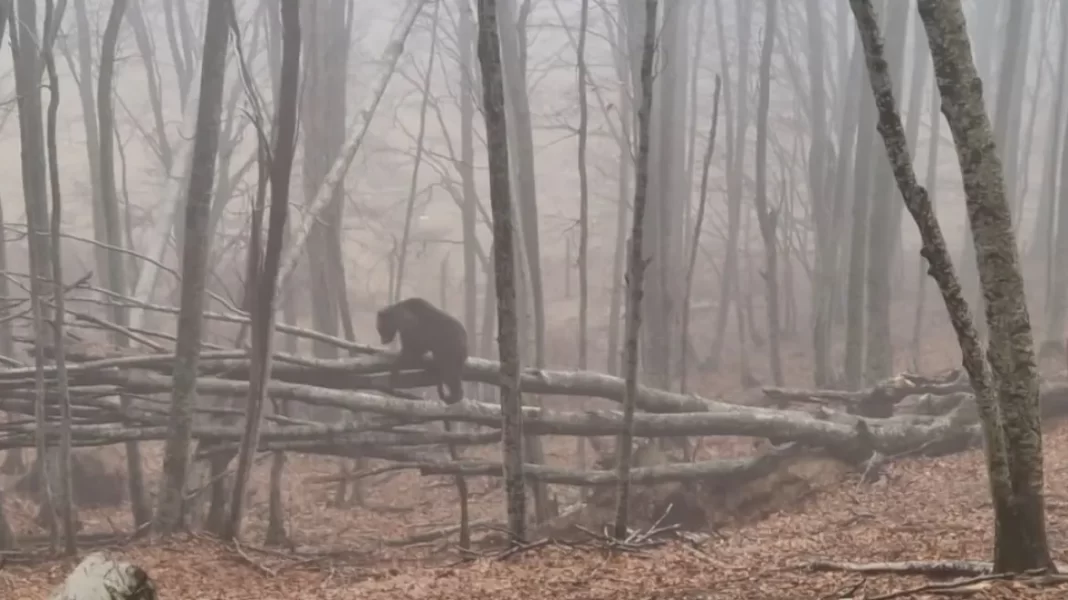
{"type": "Point", "coordinates": [843, 434]}
{"type": "Point", "coordinates": [370, 372]}
{"type": "Point", "coordinates": [336, 383]}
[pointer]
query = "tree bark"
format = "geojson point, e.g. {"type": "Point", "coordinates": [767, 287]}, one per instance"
{"type": "Point", "coordinates": [636, 264]}
{"type": "Point", "coordinates": [170, 516]}
{"type": "Point", "coordinates": [65, 492]}
{"type": "Point", "coordinates": [1012, 424]}
{"type": "Point", "coordinates": [27, 61]}
{"type": "Point", "coordinates": [266, 279]}
{"type": "Point", "coordinates": [109, 213]}
{"type": "Point", "coordinates": [768, 218]}
{"type": "Point", "coordinates": [489, 56]}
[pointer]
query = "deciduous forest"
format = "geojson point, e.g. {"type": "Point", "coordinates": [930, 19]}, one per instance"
{"type": "Point", "coordinates": [472, 299]}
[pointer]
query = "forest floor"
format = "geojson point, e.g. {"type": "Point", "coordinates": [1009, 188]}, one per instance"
{"type": "Point", "coordinates": [921, 509]}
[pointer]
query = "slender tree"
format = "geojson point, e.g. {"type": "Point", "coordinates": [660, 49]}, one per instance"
{"type": "Point", "coordinates": [636, 264]}
{"type": "Point", "coordinates": [1007, 392]}
{"type": "Point", "coordinates": [266, 278]}
{"type": "Point", "coordinates": [169, 508]}
{"type": "Point", "coordinates": [767, 217]}
{"type": "Point", "coordinates": [584, 208]}
{"type": "Point", "coordinates": [699, 219]}
{"type": "Point", "coordinates": [27, 60]}
{"type": "Point", "coordinates": [489, 57]}
{"type": "Point", "coordinates": [112, 228]}
{"type": "Point", "coordinates": [65, 492]}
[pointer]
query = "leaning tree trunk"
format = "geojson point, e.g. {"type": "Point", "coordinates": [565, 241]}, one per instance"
{"type": "Point", "coordinates": [489, 57]}
{"type": "Point", "coordinates": [169, 508]}
{"type": "Point", "coordinates": [1020, 529]}
{"type": "Point", "coordinates": [636, 263]}
{"type": "Point", "coordinates": [1011, 422]}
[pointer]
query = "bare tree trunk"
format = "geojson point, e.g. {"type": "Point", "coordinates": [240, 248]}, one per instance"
{"type": "Point", "coordinates": [276, 528]}
{"type": "Point", "coordinates": [843, 180]}
{"type": "Point", "coordinates": [513, 40]}
{"type": "Point", "coordinates": [931, 186]}
{"type": "Point", "coordinates": [584, 215]}
{"type": "Point", "coordinates": [735, 171]}
{"type": "Point", "coordinates": [148, 59]}
{"type": "Point", "coordinates": [1053, 238]}
{"type": "Point", "coordinates": [822, 202]}
{"type": "Point", "coordinates": [626, 161]}
{"type": "Point", "coordinates": [170, 516]}
{"type": "Point", "coordinates": [695, 240]}
{"type": "Point", "coordinates": [116, 269]}
{"type": "Point", "coordinates": [266, 279]}
{"type": "Point", "coordinates": [1019, 29]}
{"type": "Point", "coordinates": [92, 133]}
{"type": "Point", "coordinates": [324, 194]}
{"type": "Point", "coordinates": [420, 138]}
{"type": "Point", "coordinates": [469, 208]}
{"type": "Point", "coordinates": [27, 61]}
{"type": "Point", "coordinates": [698, 22]}
{"type": "Point", "coordinates": [489, 55]}
{"type": "Point", "coordinates": [1043, 232]}
{"type": "Point", "coordinates": [668, 198]}
{"type": "Point", "coordinates": [636, 264]}
{"type": "Point", "coordinates": [883, 228]}
{"type": "Point", "coordinates": [858, 246]}
{"type": "Point", "coordinates": [325, 58]}
{"type": "Point", "coordinates": [1020, 520]}
{"type": "Point", "coordinates": [768, 218]}
{"type": "Point", "coordinates": [181, 42]}
{"type": "Point", "coordinates": [65, 499]}
{"type": "Point", "coordinates": [934, 250]}
{"type": "Point", "coordinates": [13, 460]}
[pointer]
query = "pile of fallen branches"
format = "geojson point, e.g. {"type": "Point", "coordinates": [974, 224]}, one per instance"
{"type": "Point", "coordinates": [906, 414]}
{"type": "Point", "coordinates": [392, 427]}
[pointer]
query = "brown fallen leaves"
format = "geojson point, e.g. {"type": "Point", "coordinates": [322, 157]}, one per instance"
{"type": "Point", "coordinates": [924, 510]}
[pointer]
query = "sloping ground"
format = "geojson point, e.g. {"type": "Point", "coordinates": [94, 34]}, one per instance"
{"type": "Point", "coordinates": [924, 509]}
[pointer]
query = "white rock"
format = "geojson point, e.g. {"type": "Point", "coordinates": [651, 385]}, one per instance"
{"type": "Point", "coordinates": [99, 577]}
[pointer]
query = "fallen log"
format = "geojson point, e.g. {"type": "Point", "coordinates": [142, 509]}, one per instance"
{"type": "Point", "coordinates": [851, 437]}
{"type": "Point", "coordinates": [880, 399]}
{"type": "Point", "coordinates": [364, 372]}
